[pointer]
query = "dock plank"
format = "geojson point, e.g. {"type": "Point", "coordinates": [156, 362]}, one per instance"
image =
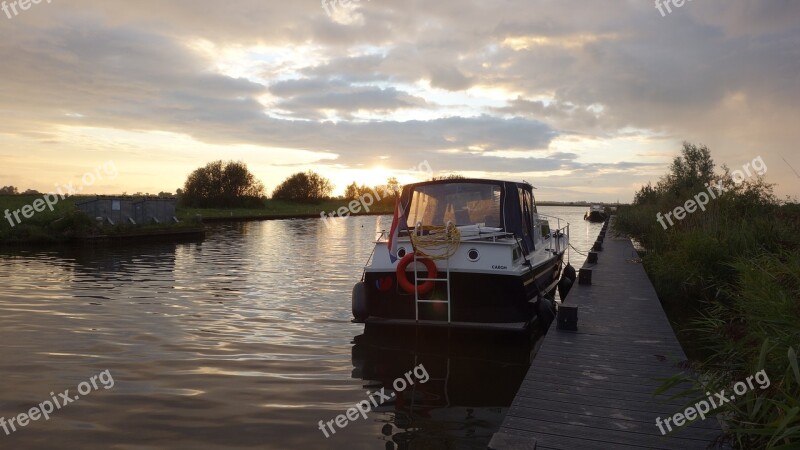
{"type": "Point", "coordinates": [594, 388]}
{"type": "Point", "coordinates": [603, 411]}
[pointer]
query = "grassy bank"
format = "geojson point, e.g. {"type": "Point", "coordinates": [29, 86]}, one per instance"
{"type": "Point", "coordinates": [276, 209]}
{"type": "Point", "coordinates": [63, 224]}
{"type": "Point", "coordinates": [66, 224]}
{"type": "Point", "coordinates": [729, 278]}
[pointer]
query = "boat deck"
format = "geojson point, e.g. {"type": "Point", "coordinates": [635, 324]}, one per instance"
{"type": "Point", "coordinates": [593, 389]}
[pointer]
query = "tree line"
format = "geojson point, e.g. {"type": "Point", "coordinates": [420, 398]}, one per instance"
{"type": "Point", "coordinates": [230, 184]}
{"type": "Point", "coordinates": [12, 190]}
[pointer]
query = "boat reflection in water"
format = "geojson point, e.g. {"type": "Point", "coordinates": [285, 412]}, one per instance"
{"type": "Point", "coordinates": [473, 378]}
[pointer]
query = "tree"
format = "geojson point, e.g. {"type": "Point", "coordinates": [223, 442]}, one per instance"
{"type": "Point", "coordinates": [8, 190]}
{"type": "Point", "coordinates": [688, 174]}
{"type": "Point", "coordinates": [223, 185]}
{"type": "Point", "coordinates": [393, 185]}
{"type": "Point", "coordinates": [647, 194]}
{"type": "Point", "coordinates": [691, 170]}
{"type": "Point", "coordinates": [351, 191]}
{"type": "Point", "coordinates": [304, 187]}
{"type": "Point", "coordinates": [354, 191]}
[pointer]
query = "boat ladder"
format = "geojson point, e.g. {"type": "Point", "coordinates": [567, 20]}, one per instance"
{"type": "Point", "coordinates": [445, 279]}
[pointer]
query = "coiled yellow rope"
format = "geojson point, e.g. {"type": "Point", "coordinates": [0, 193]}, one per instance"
{"type": "Point", "coordinates": [439, 243]}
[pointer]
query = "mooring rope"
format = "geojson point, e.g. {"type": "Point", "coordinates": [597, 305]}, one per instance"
{"type": "Point", "coordinates": [439, 243]}
{"type": "Point", "coordinates": [578, 251]}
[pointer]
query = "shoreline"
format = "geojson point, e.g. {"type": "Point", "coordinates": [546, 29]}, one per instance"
{"type": "Point", "coordinates": [39, 232]}
{"type": "Point", "coordinates": [256, 218]}
{"type": "Point", "coordinates": [170, 233]}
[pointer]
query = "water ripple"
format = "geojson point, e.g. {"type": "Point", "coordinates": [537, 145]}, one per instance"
{"type": "Point", "coordinates": [242, 340]}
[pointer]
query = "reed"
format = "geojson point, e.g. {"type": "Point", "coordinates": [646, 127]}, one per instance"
{"type": "Point", "coordinates": [729, 279]}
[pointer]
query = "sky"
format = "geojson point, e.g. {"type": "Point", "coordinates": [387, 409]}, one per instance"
{"type": "Point", "coordinates": [586, 100]}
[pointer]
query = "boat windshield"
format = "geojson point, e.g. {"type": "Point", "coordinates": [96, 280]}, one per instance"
{"type": "Point", "coordinates": [459, 203]}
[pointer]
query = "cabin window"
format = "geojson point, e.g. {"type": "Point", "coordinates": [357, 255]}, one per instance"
{"type": "Point", "coordinates": [115, 205]}
{"type": "Point", "coordinates": [526, 206]}
{"type": "Point", "coordinates": [460, 203]}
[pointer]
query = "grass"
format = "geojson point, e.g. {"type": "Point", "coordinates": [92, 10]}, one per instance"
{"type": "Point", "coordinates": [65, 222]}
{"type": "Point", "coordinates": [15, 202]}
{"type": "Point", "coordinates": [60, 225]}
{"type": "Point", "coordinates": [279, 209]}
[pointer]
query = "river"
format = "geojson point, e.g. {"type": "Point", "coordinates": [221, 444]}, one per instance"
{"type": "Point", "coordinates": [243, 340]}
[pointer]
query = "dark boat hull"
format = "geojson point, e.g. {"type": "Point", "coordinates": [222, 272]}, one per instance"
{"type": "Point", "coordinates": [477, 300]}
{"type": "Point", "coordinates": [595, 216]}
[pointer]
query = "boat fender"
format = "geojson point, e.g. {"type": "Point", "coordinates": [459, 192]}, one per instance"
{"type": "Point", "coordinates": [569, 272]}
{"type": "Point", "coordinates": [564, 285]}
{"type": "Point", "coordinates": [546, 312]}
{"type": "Point", "coordinates": [360, 310]}
{"type": "Point", "coordinates": [409, 287]}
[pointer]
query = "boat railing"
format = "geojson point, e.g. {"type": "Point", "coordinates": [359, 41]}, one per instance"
{"type": "Point", "coordinates": [555, 244]}
{"type": "Point", "coordinates": [382, 236]}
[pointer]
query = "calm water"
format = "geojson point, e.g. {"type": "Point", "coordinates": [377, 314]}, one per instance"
{"type": "Point", "coordinates": [241, 341]}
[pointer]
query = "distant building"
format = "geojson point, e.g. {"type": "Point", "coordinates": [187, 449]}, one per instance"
{"type": "Point", "coordinates": [130, 210]}
{"type": "Point", "coordinates": [155, 210]}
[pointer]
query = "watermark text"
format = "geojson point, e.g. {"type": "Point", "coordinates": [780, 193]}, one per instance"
{"type": "Point", "coordinates": [665, 6]}
{"type": "Point", "coordinates": [704, 197]}
{"type": "Point", "coordinates": [374, 399]}
{"type": "Point", "coordinates": [50, 200]}
{"type": "Point", "coordinates": [11, 7]}
{"type": "Point", "coordinates": [365, 201]}
{"type": "Point", "coordinates": [713, 402]}
{"type": "Point", "coordinates": [47, 407]}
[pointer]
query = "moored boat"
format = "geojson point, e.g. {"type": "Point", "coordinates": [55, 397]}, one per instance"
{"type": "Point", "coordinates": [468, 253]}
{"type": "Point", "coordinates": [596, 213]}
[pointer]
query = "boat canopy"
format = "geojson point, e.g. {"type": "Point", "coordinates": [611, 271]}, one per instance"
{"type": "Point", "coordinates": [509, 206]}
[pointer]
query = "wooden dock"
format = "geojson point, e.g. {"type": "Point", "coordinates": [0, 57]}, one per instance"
{"type": "Point", "coordinates": [593, 388]}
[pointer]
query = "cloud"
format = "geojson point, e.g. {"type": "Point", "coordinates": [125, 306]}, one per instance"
{"type": "Point", "coordinates": [467, 83]}
{"type": "Point", "coordinates": [316, 99]}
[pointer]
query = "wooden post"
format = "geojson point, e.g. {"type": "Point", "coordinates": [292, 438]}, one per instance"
{"type": "Point", "coordinates": [568, 318]}
{"type": "Point", "coordinates": [585, 276]}
{"type": "Point", "coordinates": [592, 259]}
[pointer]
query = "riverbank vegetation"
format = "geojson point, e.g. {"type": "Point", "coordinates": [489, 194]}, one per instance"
{"type": "Point", "coordinates": [729, 278]}
{"type": "Point", "coordinates": [220, 190]}
{"type": "Point", "coordinates": [67, 224]}
{"type": "Point", "coordinates": [62, 224]}
{"type": "Point", "coordinates": [277, 209]}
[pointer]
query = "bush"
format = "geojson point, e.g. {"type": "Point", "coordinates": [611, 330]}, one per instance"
{"type": "Point", "coordinates": [74, 223]}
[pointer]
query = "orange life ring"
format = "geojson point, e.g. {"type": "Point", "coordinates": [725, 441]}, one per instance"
{"type": "Point", "coordinates": [408, 286]}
